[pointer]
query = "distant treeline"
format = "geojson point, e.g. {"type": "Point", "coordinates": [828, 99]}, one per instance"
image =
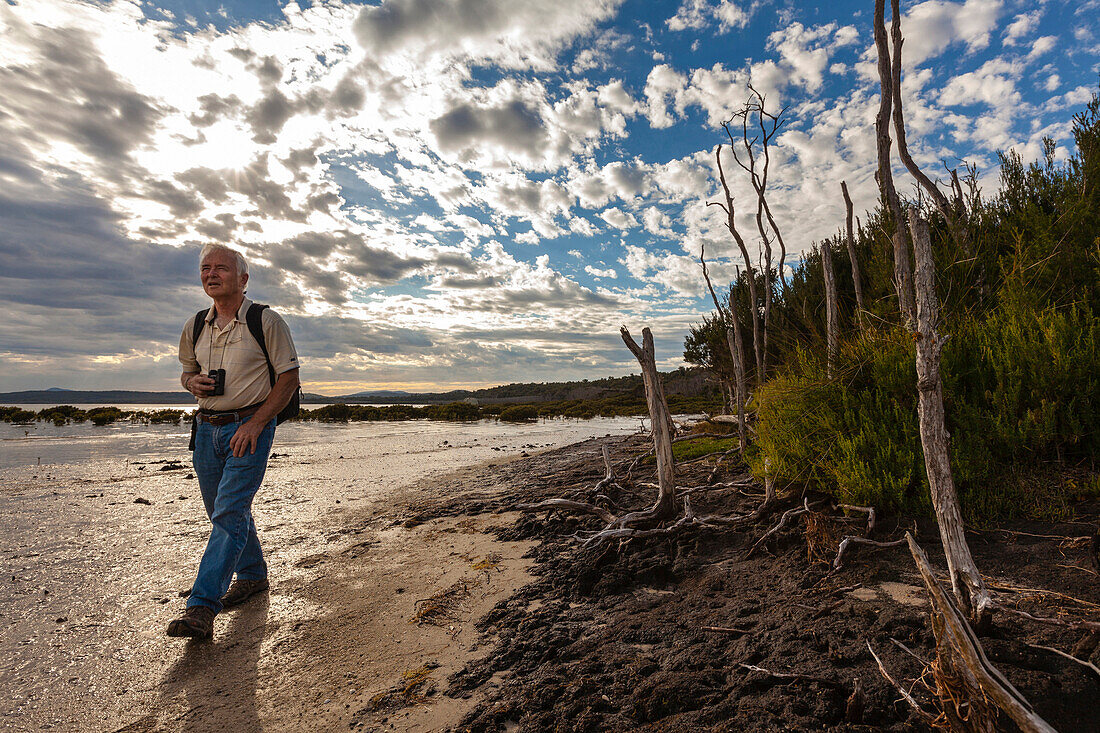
{"type": "Point", "coordinates": [1018, 276]}
{"type": "Point", "coordinates": [616, 406]}
{"type": "Point", "coordinates": [64, 414]}
{"type": "Point", "coordinates": [691, 382]}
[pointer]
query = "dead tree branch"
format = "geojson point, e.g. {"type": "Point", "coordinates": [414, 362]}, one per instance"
{"type": "Point", "coordinates": [750, 274]}
{"type": "Point", "coordinates": [966, 581]}
{"type": "Point", "coordinates": [903, 277]}
{"type": "Point", "coordinates": [851, 243]}
{"type": "Point", "coordinates": [961, 660]}
{"type": "Point", "coordinates": [735, 345]}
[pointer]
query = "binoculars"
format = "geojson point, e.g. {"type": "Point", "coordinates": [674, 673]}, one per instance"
{"type": "Point", "coordinates": [218, 375]}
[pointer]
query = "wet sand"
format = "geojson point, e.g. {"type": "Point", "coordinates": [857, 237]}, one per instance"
{"type": "Point", "coordinates": [90, 579]}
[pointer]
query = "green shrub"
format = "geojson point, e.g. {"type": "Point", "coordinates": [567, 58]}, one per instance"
{"type": "Point", "coordinates": [104, 415]}
{"type": "Point", "coordinates": [519, 413]}
{"type": "Point", "coordinates": [1017, 386]}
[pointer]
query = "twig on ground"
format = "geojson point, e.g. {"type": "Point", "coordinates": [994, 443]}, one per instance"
{"type": "Point", "coordinates": [908, 651]}
{"type": "Point", "coordinates": [1041, 592]}
{"type": "Point", "coordinates": [1074, 625]}
{"type": "Point", "coordinates": [924, 715]}
{"type": "Point", "coordinates": [794, 677]}
{"type": "Point", "coordinates": [1084, 663]}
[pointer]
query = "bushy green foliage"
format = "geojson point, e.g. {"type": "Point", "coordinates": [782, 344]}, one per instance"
{"type": "Point", "coordinates": [519, 413]}
{"type": "Point", "coordinates": [104, 415]}
{"type": "Point", "coordinates": [1019, 283]}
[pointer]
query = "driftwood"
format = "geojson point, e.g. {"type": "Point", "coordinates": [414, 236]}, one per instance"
{"type": "Point", "coordinates": [966, 581]}
{"type": "Point", "coordinates": [850, 241]}
{"type": "Point", "coordinates": [961, 663]}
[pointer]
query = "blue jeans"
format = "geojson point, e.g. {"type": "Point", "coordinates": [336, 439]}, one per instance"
{"type": "Point", "coordinates": [228, 485]}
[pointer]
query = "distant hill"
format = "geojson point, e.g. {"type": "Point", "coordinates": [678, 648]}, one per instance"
{"type": "Point", "coordinates": [689, 382]}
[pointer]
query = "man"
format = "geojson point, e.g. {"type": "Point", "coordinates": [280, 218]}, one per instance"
{"type": "Point", "coordinates": [233, 433]}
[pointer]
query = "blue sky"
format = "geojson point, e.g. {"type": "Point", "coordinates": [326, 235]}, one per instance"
{"type": "Point", "coordinates": [446, 193]}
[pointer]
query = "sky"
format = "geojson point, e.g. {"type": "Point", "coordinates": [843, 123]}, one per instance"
{"type": "Point", "coordinates": [440, 194]}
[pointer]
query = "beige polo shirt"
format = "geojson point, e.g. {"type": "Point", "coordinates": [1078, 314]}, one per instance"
{"type": "Point", "coordinates": [232, 348]}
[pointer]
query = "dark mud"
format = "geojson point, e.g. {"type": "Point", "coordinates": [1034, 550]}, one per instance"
{"type": "Point", "coordinates": [652, 635]}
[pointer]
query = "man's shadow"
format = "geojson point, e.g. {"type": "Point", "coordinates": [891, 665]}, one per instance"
{"type": "Point", "coordinates": [213, 685]}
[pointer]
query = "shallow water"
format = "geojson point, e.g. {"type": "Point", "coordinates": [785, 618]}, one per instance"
{"type": "Point", "coordinates": [89, 577]}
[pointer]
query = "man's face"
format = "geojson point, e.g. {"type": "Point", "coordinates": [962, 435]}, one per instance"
{"type": "Point", "coordinates": [220, 279]}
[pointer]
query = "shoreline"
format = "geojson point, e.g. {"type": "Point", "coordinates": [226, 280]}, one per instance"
{"type": "Point", "coordinates": [90, 575]}
{"type": "Point", "coordinates": [520, 628]}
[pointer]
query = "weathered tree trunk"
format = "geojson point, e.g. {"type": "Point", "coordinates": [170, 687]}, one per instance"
{"type": "Point", "coordinates": [737, 351]}
{"type": "Point", "coordinates": [832, 326]}
{"type": "Point", "coordinates": [660, 418]}
{"type": "Point", "coordinates": [850, 240]}
{"type": "Point", "coordinates": [962, 661]}
{"type": "Point", "coordinates": [903, 273]}
{"type": "Point", "coordinates": [734, 342]}
{"type": "Point", "coordinates": [899, 121]}
{"type": "Point", "coordinates": [966, 581]}
{"type": "Point", "coordinates": [750, 274]}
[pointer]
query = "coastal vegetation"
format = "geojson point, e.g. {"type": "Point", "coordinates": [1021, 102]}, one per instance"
{"type": "Point", "coordinates": [1018, 276]}
{"type": "Point", "coordinates": [628, 403]}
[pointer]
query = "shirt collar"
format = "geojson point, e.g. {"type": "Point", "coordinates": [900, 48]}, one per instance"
{"type": "Point", "coordinates": [242, 312]}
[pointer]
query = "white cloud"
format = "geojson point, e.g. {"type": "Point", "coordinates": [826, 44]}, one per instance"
{"type": "Point", "coordinates": [608, 273]}
{"type": "Point", "coordinates": [516, 35]}
{"type": "Point", "coordinates": [1020, 26]}
{"type": "Point", "coordinates": [657, 222]}
{"type": "Point", "coordinates": [616, 217]}
{"type": "Point", "coordinates": [697, 14]}
{"type": "Point", "coordinates": [930, 27]}
{"type": "Point", "coordinates": [1042, 45]}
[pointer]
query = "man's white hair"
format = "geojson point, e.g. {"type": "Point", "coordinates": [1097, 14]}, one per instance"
{"type": "Point", "coordinates": [242, 265]}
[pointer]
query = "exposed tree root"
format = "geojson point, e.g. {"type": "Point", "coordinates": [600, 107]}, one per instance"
{"type": "Point", "coordinates": [852, 540]}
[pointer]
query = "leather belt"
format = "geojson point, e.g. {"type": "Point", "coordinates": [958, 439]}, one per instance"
{"type": "Point", "coordinates": [224, 418]}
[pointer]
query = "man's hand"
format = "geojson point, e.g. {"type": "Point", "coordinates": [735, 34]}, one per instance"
{"type": "Point", "coordinates": [200, 385]}
{"type": "Point", "coordinates": [246, 436]}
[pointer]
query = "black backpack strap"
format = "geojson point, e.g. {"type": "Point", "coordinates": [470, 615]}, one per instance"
{"type": "Point", "coordinates": [200, 322]}
{"type": "Point", "coordinates": [254, 319]}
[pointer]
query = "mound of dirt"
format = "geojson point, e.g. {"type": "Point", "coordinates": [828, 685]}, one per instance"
{"type": "Point", "coordinates": [686, 633]}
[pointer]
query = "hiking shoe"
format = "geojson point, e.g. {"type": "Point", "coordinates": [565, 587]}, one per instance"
{"type": "Point", "coordinates": [241, 590]}
{"type": "Point", "coordinates": [196, 622]}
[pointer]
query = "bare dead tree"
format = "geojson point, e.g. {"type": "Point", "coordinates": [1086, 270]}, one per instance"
{"type": "Point", "coordinates": [733, 341]}
{"type": "Point", "coordinates": [966, 581]}
{"type": "Point", "coordinates": [661, 420]}
{"type": "Point", "coordinates": [850, 240]}
{"type": "Point", "coordinates": [832, 325]}
{"type": "Point", "coordinates": [754, 115]}
{"type": "Point", "coordinates": [903, 274]}
{"type": "Point", "coordinates": [731, 224]}
{"type": "Point", "coordinates": [759, 128]}
{"type": "Point", "coordinates": [937, 196]}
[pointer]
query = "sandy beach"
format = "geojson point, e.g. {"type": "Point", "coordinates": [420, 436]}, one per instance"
{"type": "Point", "coordinates": [434, 606]}
{"type": "Point", "coordinates": [96, 551]}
